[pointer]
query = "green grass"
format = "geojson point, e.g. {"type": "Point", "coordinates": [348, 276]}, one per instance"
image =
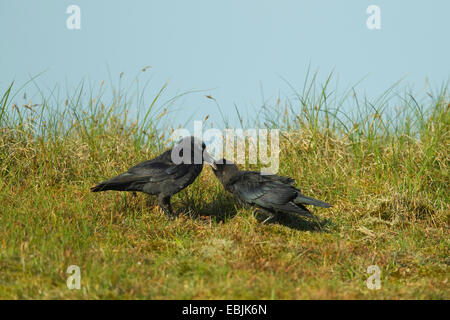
{"type": "Point", "coordinates": [386, 174]}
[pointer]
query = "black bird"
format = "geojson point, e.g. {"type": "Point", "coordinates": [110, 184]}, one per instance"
{"type": "Point", "coordinates": [164, 175]}
{"type": "Point", "coordinates": [272, 194]}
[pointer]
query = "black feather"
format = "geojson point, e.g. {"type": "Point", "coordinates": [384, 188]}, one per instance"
{"type": "Point", "coordinates": [161, 176]}
{"type": "Point", "coordinates": [271, 193]}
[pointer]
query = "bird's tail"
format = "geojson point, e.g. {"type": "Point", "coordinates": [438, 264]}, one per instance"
{"type": "Point", "coordinates": [305, 213]}
{"type": "Point", "coordinates": [297, 209]}
{"type": "Point", "coordinates": [122, 182]}
{"type": "Point", "coordinates": [100, 187]}
{"type": "Point", "coordinates": [116, 183]}
{"type": "Point", "coordinates": [301, 199]}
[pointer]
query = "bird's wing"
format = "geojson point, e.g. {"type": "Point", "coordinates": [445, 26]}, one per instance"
{"type": "Point", "coordinates": [299, 197]}
{"type": "Point", "coordinates": [282, 179]}
{"type": "Point", "coordinates": [257, 189]}
{"type": "Point", "coordinates": [146, 172]}
{"type": "Point", "coordinates": [302, 199]}
{"type": "Point", "coordinates": [160, 168]}
{"type": "Point", "coordinates": [123, 182]}
{"type": "Point", "coordinates": [257, 176]}
{"type": "Point", "coordinates": [267, 192]}
{"type": "Point", "coordinates": [158, 171]}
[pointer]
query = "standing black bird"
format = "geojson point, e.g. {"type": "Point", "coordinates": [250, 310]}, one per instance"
{"type": "Point", "coordinates": [164, 175]}
{"type": "Point", "coordinates": [272, 194]}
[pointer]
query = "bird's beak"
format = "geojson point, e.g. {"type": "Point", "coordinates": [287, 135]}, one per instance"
{"type": "Point", "coordinates": [209, 160]}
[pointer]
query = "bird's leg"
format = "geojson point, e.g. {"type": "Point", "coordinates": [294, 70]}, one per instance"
{"type": "Point", "coordinates": [269, 218]}
{"type": "Point", "coordinates": [269, 214]}
{"type": "Point", "coordinates": [164, 203]}
{"type": "Point", "coordinates": [255, 213]}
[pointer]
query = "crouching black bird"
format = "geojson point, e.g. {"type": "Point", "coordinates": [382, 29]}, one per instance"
{"type": "Point", "coordinates": [164, 175]}
{"type": "Point", "coordinates": [272, 194]}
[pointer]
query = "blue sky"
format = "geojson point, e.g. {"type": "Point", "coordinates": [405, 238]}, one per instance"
{"type": "Point", "coordinates": [229, 48]}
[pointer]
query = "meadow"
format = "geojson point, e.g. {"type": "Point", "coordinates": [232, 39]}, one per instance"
{"type": "Point", "coordinates": [383, 166]}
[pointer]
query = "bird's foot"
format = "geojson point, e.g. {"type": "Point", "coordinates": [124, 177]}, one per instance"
{"type": "Point", "coordinates": [269, 216]}
{"type": "Point", "coordinates": [169, 214]}
{"type": "Point", "coordinates": [268, 219]}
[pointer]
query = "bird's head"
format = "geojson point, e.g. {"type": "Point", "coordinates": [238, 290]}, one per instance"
{"type": "Point", "coordinates": [191, 150]}
{"type": "Point", "coordinates": [224, 169]}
